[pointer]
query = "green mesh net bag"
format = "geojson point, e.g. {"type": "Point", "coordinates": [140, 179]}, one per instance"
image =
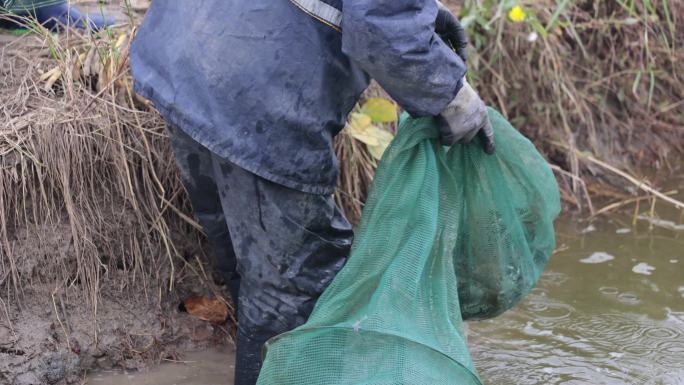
{"type": "Point", "coordinates": [447, 234]}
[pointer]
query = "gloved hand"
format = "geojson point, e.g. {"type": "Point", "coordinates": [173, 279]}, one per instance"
{"type": "Point", "coordinates": [451, 31]}
{"type": "Point", "coordinates": [465, 117]}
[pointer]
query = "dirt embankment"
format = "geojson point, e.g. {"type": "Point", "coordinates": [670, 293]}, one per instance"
{"type": "Point", "coordinates": [53, 339]}
{"type": "Point", "coordinates": [53, 329]}
{"type": "Point", "coordinates": [97, 246]}
{"type": "Point", "coordinates": [54, 332]}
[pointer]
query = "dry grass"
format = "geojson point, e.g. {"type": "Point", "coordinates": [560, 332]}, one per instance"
{"type": "Point", "coordinates": [357, 168]}
{"type": "Point", "coordinates": [601, 80]}
{"type": "Point", "coordinates": [87, 180]}
{"type": "Point", "coordinates": [587, 77]}
{"type": "Point", "coordinates": [84, 163]}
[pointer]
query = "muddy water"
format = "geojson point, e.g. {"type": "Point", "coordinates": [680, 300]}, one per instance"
{"type": "Point", "coordinates": [609, 310]}
{"type": "Point", "coordinates": [212, 367]}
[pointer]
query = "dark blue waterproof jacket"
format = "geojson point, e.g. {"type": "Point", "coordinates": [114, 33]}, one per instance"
{"type": "Point", "coordinates": [267, 86]}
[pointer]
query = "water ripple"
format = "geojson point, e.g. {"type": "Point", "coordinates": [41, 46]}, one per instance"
{"type": "Point", "coordinates": [553, 344]}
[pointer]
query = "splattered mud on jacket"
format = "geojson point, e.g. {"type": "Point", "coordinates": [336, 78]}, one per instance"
{"type": "Point", "coordinates": [265, 85]}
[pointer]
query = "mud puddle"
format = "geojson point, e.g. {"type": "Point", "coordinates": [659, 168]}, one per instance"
{"type": "Point", "coordinates": [211, 366]}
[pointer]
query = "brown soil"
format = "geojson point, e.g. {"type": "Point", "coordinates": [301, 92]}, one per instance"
{"type": "Point", "coordinates": [49, 335]}
{"type": "Point", "coordinates": [54, 340]}
{"type": "Point", "coordinates": [50, 331]}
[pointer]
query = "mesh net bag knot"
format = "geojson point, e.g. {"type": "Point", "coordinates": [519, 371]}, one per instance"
{"type": "Point", "coordinates": [447, 234]}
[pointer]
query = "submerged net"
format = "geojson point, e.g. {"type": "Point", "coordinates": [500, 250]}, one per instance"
{"type": "Point", "coordinates": [447, 234]}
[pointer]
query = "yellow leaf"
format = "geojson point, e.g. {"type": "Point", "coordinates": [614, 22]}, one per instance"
{"type": "Point", "coordinates": [374, 137]}
{"type": "Point", "coordinates": [121, 40]}
{"type": "Point", "coordinates": [517, 14]}
{"type": "Point", "coordinates": [359, 128]}
{"type": "Point", "coordinates": [380, 110]}
{"type": "Point", "coordinates": [383, 139]}
{"type": "Point", "coordinates": [364, 136]}
{"type": "Point", "coordinates": [56, 73]}
{"type": "Point", "coordinates": [360, 121]}
{"type": "Point", "coordinates": [48, 74]}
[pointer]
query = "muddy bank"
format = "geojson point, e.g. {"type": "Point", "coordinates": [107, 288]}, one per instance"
{"type": "Point", "coordinates": [52, 337]}
{"type": "Point", "coordinates": [97, 243]}
{"type": "Point", "coordinates": [212, 366]}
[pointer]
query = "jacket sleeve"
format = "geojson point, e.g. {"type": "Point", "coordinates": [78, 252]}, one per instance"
{"type": "Point", "coordinates": [395, 42]}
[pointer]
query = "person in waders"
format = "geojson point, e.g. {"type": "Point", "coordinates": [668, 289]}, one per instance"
{"type": "Point", "coordinates": [52, 14]}
{"type": "Point", "coordinates": [253, 93]}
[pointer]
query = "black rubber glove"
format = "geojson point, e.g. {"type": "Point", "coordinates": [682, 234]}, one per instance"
{"type": "Point", "coordinates": [451, 31]}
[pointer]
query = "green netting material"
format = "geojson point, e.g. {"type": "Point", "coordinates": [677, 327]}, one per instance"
{"type": "Point", "coordinates": [446, 235]}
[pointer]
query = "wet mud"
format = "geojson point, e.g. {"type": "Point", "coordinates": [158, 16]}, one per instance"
{"type": "Point", "coordinates": [213, 366]}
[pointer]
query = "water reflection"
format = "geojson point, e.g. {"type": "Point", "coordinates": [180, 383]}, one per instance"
{"type": "Point", "coordinates": [594, 320]}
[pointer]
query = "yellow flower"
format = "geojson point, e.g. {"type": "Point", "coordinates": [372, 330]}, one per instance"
{"type": "Point", "coordinates": [517, 14]}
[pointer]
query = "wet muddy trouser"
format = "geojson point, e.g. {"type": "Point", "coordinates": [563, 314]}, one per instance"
{"type": "Point", "coordinates": [277, 248]}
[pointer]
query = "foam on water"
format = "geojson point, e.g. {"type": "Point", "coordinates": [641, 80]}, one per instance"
{"type": "Point", "coordinates": [598, 257]}
{"type": "Point", "coordinates": [643, 268]}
